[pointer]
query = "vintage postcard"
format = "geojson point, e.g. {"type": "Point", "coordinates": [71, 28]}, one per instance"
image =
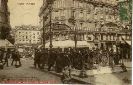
{"type": "Point", "coordinates": [66, 42]}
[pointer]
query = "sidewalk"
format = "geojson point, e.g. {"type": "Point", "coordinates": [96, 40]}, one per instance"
{"type": "Point", "coordinates": [81, 80]}
{"type": "Point", "coordinates": [121, 78]}
{"type": "Point", "coordinates": [128, 64]}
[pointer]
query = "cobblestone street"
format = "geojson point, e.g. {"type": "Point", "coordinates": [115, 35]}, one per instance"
{"type": "Point", "coordinates": [27, 73]}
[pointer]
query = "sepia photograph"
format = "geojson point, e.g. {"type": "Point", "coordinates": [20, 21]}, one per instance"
{"type": "Point", "coordinates": [66, 42]}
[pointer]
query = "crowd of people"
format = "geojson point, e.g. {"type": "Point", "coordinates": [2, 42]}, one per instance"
{"type": "Point", "coordinates": [6, 55]}
{"type": "Point", "coordinates": [82, 58]}
{"type": "Point", "coordinates": [63, 60]}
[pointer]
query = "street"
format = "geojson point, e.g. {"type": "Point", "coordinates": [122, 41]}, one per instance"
{"type": "Point", "coordinates": [26, 73]}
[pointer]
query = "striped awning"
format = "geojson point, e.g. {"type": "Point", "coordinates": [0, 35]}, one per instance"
{"type": "Point", "coordinates": [129, 42]}
{"type": "Point", "coordinates": [5, 44]}
{"type": "Point", "coordinates": [69, 43]}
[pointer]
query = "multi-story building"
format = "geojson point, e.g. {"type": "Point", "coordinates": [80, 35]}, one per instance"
{"type": "Point", "coordinates": [27, 35]}
{"type": "Point", "coordinates": [94, 21]}
{"type": "Point", "coordinates": [4, 19]}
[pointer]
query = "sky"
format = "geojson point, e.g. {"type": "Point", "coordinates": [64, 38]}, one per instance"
{"type": "Point", "coordinates": [24, 12]}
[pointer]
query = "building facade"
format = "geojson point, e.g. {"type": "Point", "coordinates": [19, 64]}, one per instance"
{"type": "Point", "coordinates": [27, 35]}
{"type": "Point", "coordinates": [4, 19]}
{"type": "Point", "coordinates": [94, 21]}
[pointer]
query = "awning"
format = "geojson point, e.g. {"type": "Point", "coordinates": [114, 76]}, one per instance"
{"type": "Point", "coordinates": [84, 44]}
{"type": "Point", "coordinates": [69, 43]}
{"type": "Point", "coordinates": [129, 42]}
{"type": "Point", "coordinates": [21, 50]}
{"type": "Point", "coordinates": [61, 44]}
{"type": "Point", "coordinates": [111, 24]}
{"type": "Point", "coordinates": [126, 41]}
{"type": "Point", "coordinates": [5, 44]}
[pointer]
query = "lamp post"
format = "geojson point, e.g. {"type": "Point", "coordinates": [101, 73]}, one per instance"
{"type": "Point", "coordinates": [43, 34]}
{"type": "Point", "coordinates": [75, 38]}
{"type": "Point", "coordinates": [50, 22]}
{"type": "Point", "coordinates": [83, 71]}
{"type": "Point", "coordinates": [73, 22]}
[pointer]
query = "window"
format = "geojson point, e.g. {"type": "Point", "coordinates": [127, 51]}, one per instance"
{"type": "Point", "coordinates": [56, 18]}
{"type": "Point", "coordinates": [89, 38]}
{"type": "Point", "coordinates": [56, 10]}
{"type": "Point", "coordinates": [81, 11]}
{"type": "Point", "coordinates": [57, 22]}
{"type": "Point", "coordinates": [101, 37]}
{"type": "Point", "coordinates": [110, 17]}
{"type": "Point", "coordinates": [63, 17]}
{"type": "Point", "coordinates": [88, 11]}
{"type": "Point", "coordinates": [62, 22]}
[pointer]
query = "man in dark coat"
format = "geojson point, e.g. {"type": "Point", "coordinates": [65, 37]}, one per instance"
{"type": "Point", "coordinates": [13, 57]}
{"type": "Point", "coordinates": [43, 59]}
{"type": "Point", "coordinates": [59, 62]}
{"type": "Point", "coordinates": [37, 58]}
{"type": "Point", "coordinates": [1, 59]}
{"type": "Point", "coordinates": [111, 56]}
{"type": "Point", "coordinates": [6, 58]}
{"type": "Point", "coordinates": [51, 59]}
{"type": "Point", "coordinates": [116, 58]}
{"type": "Point", "coordinates": [1, 55]}
{"type": "Point", "coordinates": [90, 59]}
{"type": "Point", "coordinates": [17, 59]}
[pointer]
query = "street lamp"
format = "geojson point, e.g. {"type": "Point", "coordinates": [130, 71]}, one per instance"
{"type": "Point", "coordinates": [73, 22]}
{"type": "Point", "coordinates": [50, 22]}
{"type": "Point", "coordinates": [43, 35]}
{"type": "Point", "coordinates": [83, 71]}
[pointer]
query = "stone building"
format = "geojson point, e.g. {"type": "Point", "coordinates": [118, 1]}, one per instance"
{"type": "Point", "coordinates": [94, 21]}
{"type": "Point", "coordinates": [27, 35]}
{"type": "Point", "coordinates": [4, 19]}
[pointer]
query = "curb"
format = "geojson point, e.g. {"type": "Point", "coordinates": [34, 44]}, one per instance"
{"type": "Point", "coordinates": [73, 77]}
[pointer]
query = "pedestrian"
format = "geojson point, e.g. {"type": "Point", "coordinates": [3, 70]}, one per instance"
{"type": "Point", "coordinates": [104, 59]}
{"type": "Point", "coordinates": [52, 59]}
{"type": "Point", "coordinates": [13, 57]}
{"type": "Point", "coordinates": [17, 59]}
{"type": "Point", "coordinates": [116, 58]}
{"type": "Point", "coordinates": [37, 59]}
{"type": "Point", "coordinates": [43, 59]}
{"type": "Point", "coordinates": [66, 77]}
{"type": "Point", "coordinates": [1, 59]}
{"type": "Point", "coordinates": [7, 56]}
{"type": "Point", "coordinates": [90, 59]}
{"type": "Point", "coordinates": [1, 55]}
{"type": "Point", "coordinates": [59, 62]}
{"type": "Point", "coordinates": [111, 57]}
